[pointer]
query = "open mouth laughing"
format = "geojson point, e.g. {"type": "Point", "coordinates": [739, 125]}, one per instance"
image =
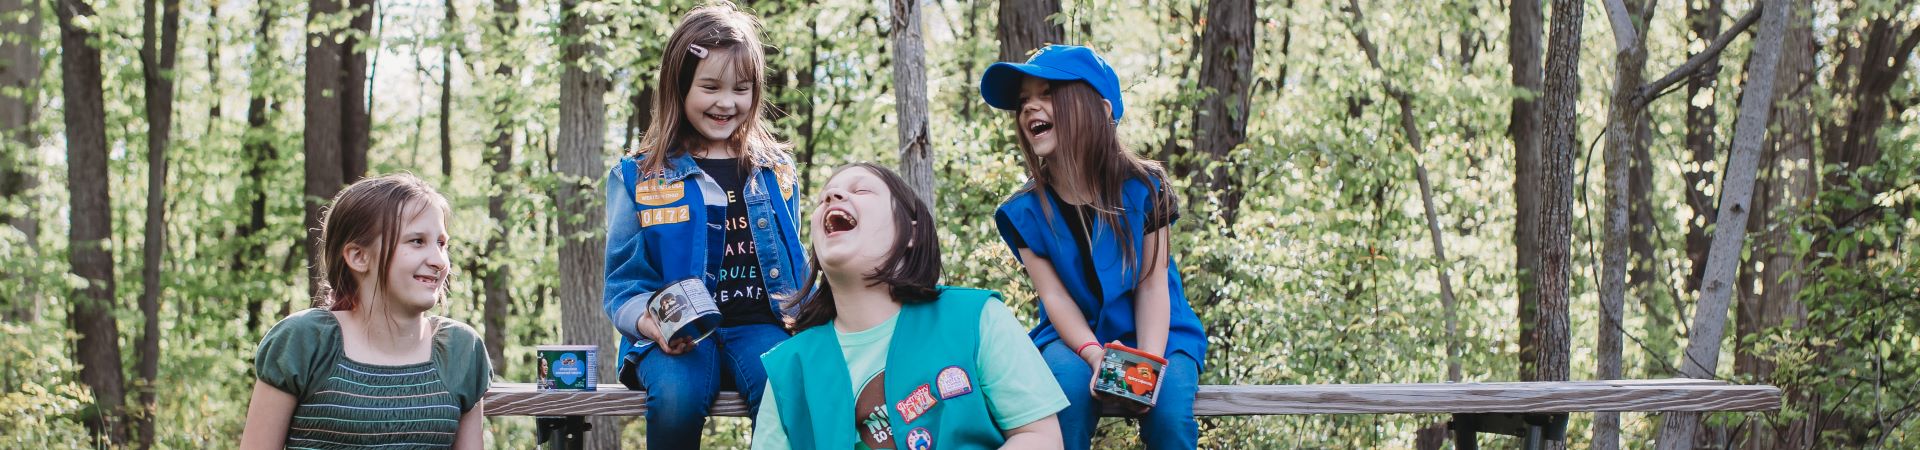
{"type": "Point", "coordinates": [839, 220]}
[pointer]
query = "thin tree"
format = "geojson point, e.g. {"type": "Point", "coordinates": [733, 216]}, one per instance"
{"type": "Point", "coordinates": [1629, 19]}
{"type": "Point", "coordinates": [1562, 84]}
{"type": "Point", "coordinates": [90, 224]}
{"type": "Point", "coordinates": [1227, 72]}
{"type": "Point", "coordinates": [1523, 128]}
{"type": "Point", "coordinates": [910, 98]}
{"type": "Point", "coordinates": [257, 145]}
{"type": "Point", "coordinates": [582, 141]}
{"type": "Point", "coordinates": [450, 40]}
{"type": "Point", "coordinates": [499, 157]}
{"type": "Point", "coordinates": [158, 47]}
{"type": "Point", "coordinates": [1723, 258]}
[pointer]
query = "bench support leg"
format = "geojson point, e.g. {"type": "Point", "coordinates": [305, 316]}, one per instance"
{"type": "Point", "coordinates": [562, 433]}
{"type": "Point", "coordinates": [1535, 429]}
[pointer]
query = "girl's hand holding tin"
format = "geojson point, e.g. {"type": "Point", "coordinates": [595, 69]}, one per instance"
{"type": "Point", "coordinates": [651, 329]}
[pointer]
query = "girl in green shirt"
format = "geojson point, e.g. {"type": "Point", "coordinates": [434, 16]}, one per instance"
{"type": "Point", "coordinates": [371, 367]}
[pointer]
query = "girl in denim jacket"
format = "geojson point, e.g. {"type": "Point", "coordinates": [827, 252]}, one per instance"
{"type": "Point", "coordinates": [709, 195]}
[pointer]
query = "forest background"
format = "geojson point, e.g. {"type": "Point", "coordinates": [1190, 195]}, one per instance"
{"type": "Point", "coordinates": [1377, 191]}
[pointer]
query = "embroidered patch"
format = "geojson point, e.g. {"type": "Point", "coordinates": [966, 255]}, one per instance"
{"type": "Point", "coordinates": [656, 216]}
{"type": "Point", "coordinates": [658, 193]}
{"type": "Point", "coordinates": [919, 439]}
{"type": "Point", "coordinates": [916, 404]}
{"type": "Point", "coordinates": [953, 382]}
{"type": "Point", "coordinates": [783, 174]}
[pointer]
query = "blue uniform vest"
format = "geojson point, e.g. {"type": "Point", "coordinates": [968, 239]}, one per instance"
{"type": "Point", "coordinates": [1110, 315]}
{"type": "Point", "coordinates": [808, 376]}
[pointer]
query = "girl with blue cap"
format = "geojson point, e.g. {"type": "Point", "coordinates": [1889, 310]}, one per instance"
{"type": "Point", "coordinates": [1092, 229]}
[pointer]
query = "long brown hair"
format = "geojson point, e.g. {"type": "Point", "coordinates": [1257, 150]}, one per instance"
{"type": "Point", "coordinates": [911, 273]}
{"type": "Point", "coordinates": [1089, 158]}
{"type": "Point", "coordinates": [368, 214]}
{"type": "Point", "coordinates": [724, 32]}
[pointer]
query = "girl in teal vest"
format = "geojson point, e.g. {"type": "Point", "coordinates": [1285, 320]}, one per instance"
{"type": "Point", "coordinates": [889, 359]}
{"type": "Point", "coordinates": [1092, 228]}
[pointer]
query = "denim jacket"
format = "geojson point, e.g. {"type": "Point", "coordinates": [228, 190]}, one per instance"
{"type": "Point", "coordinates": [667, 226]}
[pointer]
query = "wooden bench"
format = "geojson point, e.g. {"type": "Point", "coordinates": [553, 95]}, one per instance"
{"type": "Point", "coordinates": [1536, 411]}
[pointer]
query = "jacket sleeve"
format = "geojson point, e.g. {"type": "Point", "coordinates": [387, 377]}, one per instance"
{"type": "Point", "coordinates": [631, 278]}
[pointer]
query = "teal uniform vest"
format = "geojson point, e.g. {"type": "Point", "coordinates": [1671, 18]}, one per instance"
{"type": "Point", "coordinates": [808, 375]}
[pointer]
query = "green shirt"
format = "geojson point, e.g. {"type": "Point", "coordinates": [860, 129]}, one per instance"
{"type": "Point", "coordinates": [344, 403]}
{"type": "Point", "coordinates": [1017, 384]}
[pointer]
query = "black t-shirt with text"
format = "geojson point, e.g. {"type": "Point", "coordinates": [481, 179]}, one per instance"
{"type": "Point", "coordinates": [740, 294]}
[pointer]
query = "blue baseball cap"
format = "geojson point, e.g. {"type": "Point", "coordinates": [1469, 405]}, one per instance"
{"type": "Point", "coordinates": [1000, 85]}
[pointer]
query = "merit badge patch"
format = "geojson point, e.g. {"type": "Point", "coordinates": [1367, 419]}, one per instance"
{"type": "Point", "coordinates": [953, 382]}
{"type": "Point", "coordinates": [658, 193]}
{"type": "Point", "coordinates": [784, 177]}
{"type": "Point", "coordinates": [915, 404]}
{"type": "Point", "coordinates": [656, 216]}
{"type": "Point", "coordinates": [919, 439]}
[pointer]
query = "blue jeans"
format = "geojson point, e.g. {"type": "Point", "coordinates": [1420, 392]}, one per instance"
{"type": "Point", "coordinates": [1169, 425]}
{"type": "Point", "coordinates": [681, 388]}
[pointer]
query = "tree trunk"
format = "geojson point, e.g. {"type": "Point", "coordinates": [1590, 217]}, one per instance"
{"type": "Point", "coordinates": [1629, 19]}
{"type": "Point", "coordinates": [259, 151]}
{"type": "Point", "coordinates": [1703, 20]}
{"type": "Point", "coordinates": [336, 136]}
{"type": "Point", "coordinates": [1024, 27]}
{"type": "Point", "coordinates": [1723, 257]}
{"type": "Point", "coordinates": [910, 98]}
{"type": "Point", "coordinates": [1523, 127]}
{"type": "Point", "coordinates": [1556, 192]}
{"type": "Point", "coordinates": [19, 177]}
{"type": "Point", "coordinates": [583, 126]}
{"type": "Point", "coordinates": [452, 45]}
{"type": "Point", "coordinates": [90, 224]}
{"type": "Point", "coordinates": [506, 22]}
{"type": "Point", "coordinates": [1222, 122]}
{"type": "Point", "coordinates": [158, 46]}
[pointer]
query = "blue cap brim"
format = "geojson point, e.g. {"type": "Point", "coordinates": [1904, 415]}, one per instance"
{"type": "Point", "coordinates": [1000, 85]}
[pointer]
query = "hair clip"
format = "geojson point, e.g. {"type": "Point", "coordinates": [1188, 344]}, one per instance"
{"type": "Point", "coordinates": [697, 51]}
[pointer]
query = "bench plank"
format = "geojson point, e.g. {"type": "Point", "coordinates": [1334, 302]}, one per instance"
{"type": "Point", "coordinates": [522, 399]}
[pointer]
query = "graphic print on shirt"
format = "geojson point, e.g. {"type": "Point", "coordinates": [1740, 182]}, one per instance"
{"type": "Point", "coordinates": [739, 291]}
{"type": "Point", "coordinates": [870, 413]}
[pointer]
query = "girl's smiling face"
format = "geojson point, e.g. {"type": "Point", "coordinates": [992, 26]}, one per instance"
{"type": "Point", "coordinates": [853, 228]}
{"type": "Point", "coordinates": [720, 97]}
{"type": "Point", "coordinates": [417, 274]}
{"type": "Point", "coordinates": [1036, 114]}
